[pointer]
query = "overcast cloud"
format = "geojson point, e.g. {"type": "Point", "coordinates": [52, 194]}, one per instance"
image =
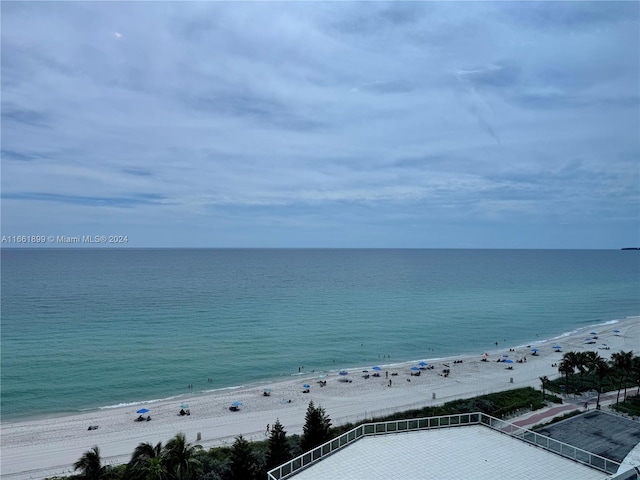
{"type": "Point", "coordinates": [351, 124]}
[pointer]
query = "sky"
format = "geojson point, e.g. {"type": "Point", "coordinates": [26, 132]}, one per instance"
{"type": "Point", "coordinates": [322, 124]}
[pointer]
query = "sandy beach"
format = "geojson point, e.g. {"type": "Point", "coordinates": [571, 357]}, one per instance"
{"type": "Point", "coordinates": [47, 447]}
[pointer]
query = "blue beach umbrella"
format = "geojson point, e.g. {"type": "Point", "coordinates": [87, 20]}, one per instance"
{"type": "Point", "coordinates": [143, 410]}
{"type": "Point", "coordinates": [376, 368]}
{"type": "Point", "coordinates": [593, 333]}
{"type": "Point", "coordinates": [236, 404]}
{"type": "Point", "coordinates": [344, 372]}
{"type": "Point", "coordinates": [184, 405]}
{"type": "Point", "coordinates": [415, 368]}
{"type": "Point", "coordinates": [423, 364]}
{"type": "Point", "coordinates": [306, 385]}
{"type": "Point", "coordinates": [508, 361]}
{"type": "Point", "coordinates": [534, 350]}
{"type": "Point", "coordinates": [557, 346]}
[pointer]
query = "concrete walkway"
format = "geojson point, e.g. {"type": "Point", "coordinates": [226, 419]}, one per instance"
{"type": "Point", "coordinates": [547, 414]}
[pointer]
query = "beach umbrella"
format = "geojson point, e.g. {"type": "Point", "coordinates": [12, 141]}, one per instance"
{"type": "Point", "coordinates": [143, 410]}
{"type": "Point", "coordinates": [306, 385]}
{"type": "Point", "coordinates": [534, 350]}
{"type": "Point", "coordinates": [593, 333]}
{"type": "Point", "coordinates": [415, 368]}
{"type": "Point", "coordinates": [423, 364]}
{"type": "Point", "coordinates": [344, 372]}
{"type": "Point", "coordinates": [236, 404]}
{"type": "Point", "coordinates": [508, 361]}
{"type": "Point", "coordinates": [184, 405]}
{"type": "Point", "coordinates": [377, 368]}
{"type": "Point", "coordinates": [616, 331]}
{"type": "Point", "coordinates": [557, 346]}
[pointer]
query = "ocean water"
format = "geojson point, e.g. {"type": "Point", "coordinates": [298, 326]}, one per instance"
{"type": "Point", "coordinates": [94, 328]}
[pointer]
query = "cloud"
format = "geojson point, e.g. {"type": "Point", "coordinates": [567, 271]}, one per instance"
{"type": "Point", "coordinates": [223, 117]}
{"type": "Point", "coordinates": [91, 201]}
{"type": "Point", "coordinates": [30, 118]}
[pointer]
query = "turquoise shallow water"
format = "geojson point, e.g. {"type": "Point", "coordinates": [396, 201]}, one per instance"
{"type": "Point", "coordinates": [90, 328]}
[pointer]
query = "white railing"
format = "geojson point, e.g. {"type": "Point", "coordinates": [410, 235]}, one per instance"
{"type": "Point", "coordinates": [547, 443]}
{"type": "Point", "coordinates": [445, 421]}
{"type": "Point", "coordinates": [368, 429]}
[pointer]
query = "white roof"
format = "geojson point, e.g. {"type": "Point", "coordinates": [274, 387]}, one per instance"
{"type": "Point", "coordinates": [474, 452]}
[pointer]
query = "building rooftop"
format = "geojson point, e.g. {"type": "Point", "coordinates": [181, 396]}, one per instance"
{"type": "Point", "coordinates": [473, 451]}
{"type": "Point", "coordinates": [602, 433]}
{"type": "Point", "coordinates": [464, 445]}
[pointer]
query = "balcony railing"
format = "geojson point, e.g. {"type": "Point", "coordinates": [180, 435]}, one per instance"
{"type": "Point", "coordinates": [563, 449]}
{"type": "Point", "coordinates": [446, 421]}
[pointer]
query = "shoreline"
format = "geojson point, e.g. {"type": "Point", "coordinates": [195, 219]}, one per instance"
{"type": "Point", "coordinates": [262, 382]}
{"type": "Point", "coordinates": [42, 447]}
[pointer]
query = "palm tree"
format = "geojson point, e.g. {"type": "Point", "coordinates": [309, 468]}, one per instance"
{"type": "Point", "coordinates": [565, 369]}
{"type": "Point", "coordinates": [90, 465]}
{"type": "Point", "coordinates": [581, 362]}
{"type": "Point", "coordinates": [570, 360]}
{"type": "Point", "coordinates": [590, 358]}
{"type": "Point", "coordinates": [143, 456]}
{"type": "Point", "coordinates": [623, 362]}
{"type": "Point", "coordinates": [635, 371]}
{"type": "Point", "coordinates": [180, 457]}
{"type": "Point", "coordinates": [602, 371]}
{"type": "Point", "coordinates": [155, 469]}
{"type": "Point", "coordinates": [545, 381]}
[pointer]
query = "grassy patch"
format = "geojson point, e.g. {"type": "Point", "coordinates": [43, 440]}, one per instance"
{"type": "Point", "coordinates": [498, 404]}
{"type": "Point", "coordinates": [631, 406]}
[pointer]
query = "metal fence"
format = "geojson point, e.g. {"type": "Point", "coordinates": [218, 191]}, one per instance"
{"type": "Point", "coordinates": [446, 421]}
{"type": "Point", "coordinates": [547, 443]}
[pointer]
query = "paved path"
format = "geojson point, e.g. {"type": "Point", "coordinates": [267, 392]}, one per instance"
{"type": "Point", "coordinates": [547, 414]}
{"type": "Point", "coordinates": [544, 415]}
